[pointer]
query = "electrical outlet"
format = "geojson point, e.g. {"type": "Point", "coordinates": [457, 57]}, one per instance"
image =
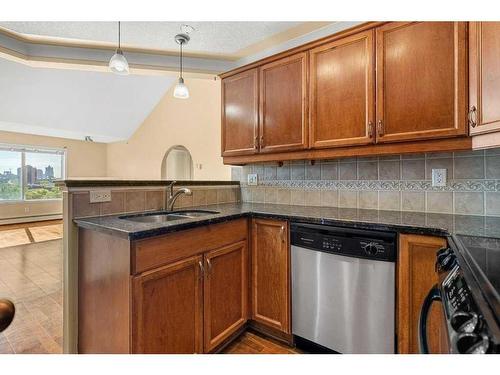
{"type": "Point", "coordinates": [97, 196]}
{"type": "Point", "coordinates": [252, 179]}
{"type": "Point", "coordinates": [439, 177]}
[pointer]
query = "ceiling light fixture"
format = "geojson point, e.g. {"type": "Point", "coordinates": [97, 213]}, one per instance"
{"type": "Point", "coordinates": [118, 63]}
{"type": "Point", "coordinates": [181, 91]}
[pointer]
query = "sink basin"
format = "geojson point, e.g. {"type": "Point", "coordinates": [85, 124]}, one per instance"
{"type": "Point", "coordinates": [193, 213]}
{"type": "Point", "coordinates": [164, 217]}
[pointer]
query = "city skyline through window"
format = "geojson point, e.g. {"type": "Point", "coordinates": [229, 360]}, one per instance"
{"type": "Point", "coordinates": [29, 173]}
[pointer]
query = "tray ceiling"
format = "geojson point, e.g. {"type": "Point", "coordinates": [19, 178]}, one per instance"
{"type": "Point", "coordinates": [211, 38]}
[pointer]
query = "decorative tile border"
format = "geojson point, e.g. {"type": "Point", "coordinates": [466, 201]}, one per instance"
{"type": "Point", "coordinates": [384, 185]}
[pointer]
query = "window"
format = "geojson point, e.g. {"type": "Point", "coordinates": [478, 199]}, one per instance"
{"type": "Point", "coordinates": [28, 173]}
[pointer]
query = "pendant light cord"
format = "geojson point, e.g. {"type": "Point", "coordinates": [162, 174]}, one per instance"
{"type": "Point", "coordinates": [119, 34]}
{"type": "Point", "coordinates": [181, 58]}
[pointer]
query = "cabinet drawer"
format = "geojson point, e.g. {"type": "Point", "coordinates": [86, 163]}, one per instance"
{"type": "Point", "coordinates": [157, 251]}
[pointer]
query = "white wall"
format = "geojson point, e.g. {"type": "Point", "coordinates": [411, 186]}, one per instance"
{"type": "Point", "coordinates": [74, 104]}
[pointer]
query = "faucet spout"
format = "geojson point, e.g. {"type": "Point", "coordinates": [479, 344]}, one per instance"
{"type": "Point", "coordinates": [173, 196]}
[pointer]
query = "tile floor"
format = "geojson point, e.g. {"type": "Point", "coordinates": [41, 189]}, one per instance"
{"type": "Point", "coordinates": [31, 276]}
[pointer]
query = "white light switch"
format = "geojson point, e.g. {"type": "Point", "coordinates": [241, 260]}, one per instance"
{"type": "Point", "coordinates": [97, 196]}
{"type": "Point", "coordinates": [439, 177]}
{"type": "Point", "coordinates": [252, 179]}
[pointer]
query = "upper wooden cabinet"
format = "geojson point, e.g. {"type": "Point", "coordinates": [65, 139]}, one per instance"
{"type": "Point", "coordinates": [484, 77]}
{"type": "Point", "coordinates": [364, 92]}
{"type": "Point", "coordinates": [342, 92]}
{"type": "Point", "coordinates": [421, 80]}
{"type": "Point", "coordinates": [240, 94]}
{"type": "Point", "coordinates": [226, 293]}
{"type": "Point", "coordinates": [283, 96]}
{"type": "Point", "coordinates": [270, 280]}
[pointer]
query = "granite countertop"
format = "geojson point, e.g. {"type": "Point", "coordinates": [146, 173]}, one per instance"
{"type": "Point", "coordinates": [400, 221]}
{"type": "Point", "coordinates": [108, 182]}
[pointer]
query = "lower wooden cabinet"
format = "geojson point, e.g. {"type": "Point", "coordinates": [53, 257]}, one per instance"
{"type": "Point", "coordinates": [168, 309]}
{"type": "Point", "coordinates": [225, 293]}
{"type": "Point", "coordinates": [416, 276]}
{"type": "Point", "coordinates": [270, 274]}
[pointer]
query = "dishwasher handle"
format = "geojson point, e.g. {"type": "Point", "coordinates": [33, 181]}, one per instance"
{"type": "Point", "coordinates": [433, 295]}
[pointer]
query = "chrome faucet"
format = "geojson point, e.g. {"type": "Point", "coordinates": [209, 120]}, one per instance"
{"type": "Point", "coordinates": [172, 197]}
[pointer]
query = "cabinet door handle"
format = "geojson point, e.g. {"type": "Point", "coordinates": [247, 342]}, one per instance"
{"type": "Point", "coordinates": [380, 128]}
{"type": "Point", "coordinates": [282, 232]}
{"type": "Point", "coordinates": [256, 142]}
{"type": "Point", "coordinates": [370, 129]}
{"type": "Point", "coordinates": [261, 141]}
{"type": "Point", "coordinates": [202, 269]}
{"type": "Point", "coordinates": [209, 264]}
{"type": "Point", "coordinates": [473, 116]}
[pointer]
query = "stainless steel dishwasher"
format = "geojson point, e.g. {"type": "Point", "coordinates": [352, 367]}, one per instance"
{"type": "Point", "coordinates": [343, 288]}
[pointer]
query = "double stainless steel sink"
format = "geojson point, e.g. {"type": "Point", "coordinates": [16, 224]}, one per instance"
{"type": "Point", "coordinates": [162, 217]}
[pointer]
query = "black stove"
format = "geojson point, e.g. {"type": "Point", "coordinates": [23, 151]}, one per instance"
{"type": "Point", "coordinates": [469, 289]}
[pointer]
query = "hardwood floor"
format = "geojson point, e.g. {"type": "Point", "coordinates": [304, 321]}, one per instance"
{"type": "Point", "coordinates": [26, 233]}
{"type": "Point", "coordinates": [253, 343]}
{"type": "Point", "coordinates": [31, 276]}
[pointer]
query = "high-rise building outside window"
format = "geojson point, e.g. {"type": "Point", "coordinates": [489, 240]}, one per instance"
{"type": "Point", "coordinates": [29, 173]}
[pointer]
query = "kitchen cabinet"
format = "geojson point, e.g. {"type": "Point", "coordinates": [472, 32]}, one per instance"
{"type": "Point", "coordinates": [283, 100]}
{"type": "Point", "coordinates": [182, 292]}
{"type": "Point", "coordinates": [225, 293]}
{"type": "Point", "coordinates": [240, 111]}
{"type": "Point", "coordinates": [168, 305]}
{"type": "Point", "coordinates": [421, 80]}
{"type": "Point", "coordinates": [270, 279]}
{"type": "Point", "coordinates": [342, 92]}
{"type": "Point", "coordinates": [415, 277]}
{"type": "Point", "coordinates": [484, 81]}
{"type": "Point", "coordinates": [382, 88]}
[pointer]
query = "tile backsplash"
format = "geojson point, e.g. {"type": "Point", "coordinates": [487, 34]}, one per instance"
{"type": "Point", "coordinates": [399, 182]}
{"type": "Point", "coordinates": [129, 200]}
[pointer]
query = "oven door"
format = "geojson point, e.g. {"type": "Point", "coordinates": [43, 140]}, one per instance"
{"type": "Point", "coordinates": [432, 318]}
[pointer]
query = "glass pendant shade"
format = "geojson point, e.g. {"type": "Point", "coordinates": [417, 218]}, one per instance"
{"type": "Point", "coordinates": [181, 91]}
{"type": "Point", "coordinates": [118, 63]}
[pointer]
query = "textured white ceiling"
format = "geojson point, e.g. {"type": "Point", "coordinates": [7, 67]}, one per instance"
{"type": "Point", "coordinates": [73, 104]}
{"type": "Point", "coordinates": [208, 37]}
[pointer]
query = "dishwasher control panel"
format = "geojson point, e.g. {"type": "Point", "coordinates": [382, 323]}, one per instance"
{"type": "Point", "coordinates": [359, 243]}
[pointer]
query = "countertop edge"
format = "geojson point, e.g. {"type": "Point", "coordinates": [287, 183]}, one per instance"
{"type": "Point", "coordinates": [126, 183]}
{"type": "Point", "coordinates": [355, 223]}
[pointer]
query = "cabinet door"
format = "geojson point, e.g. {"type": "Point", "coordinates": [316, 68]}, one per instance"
{"type": "Point", "coordinates": [421, 80]}
{"type": "Point", "coordinates": [240, 108]}
{"type": "Point", "coordinates": [283, 118]}
{"type": "Point", "coordinates": [342, 92]}
{"type": "Point", "coordinates": [416, 276]}
{"type": "Point", "coordinates": [484, 77]}
{"type": "Point", "coordinates": [225, 293]}
{"type": "Point", "coordinates": [168, 309]}
{"type": "Point", "coordinates": [270, 269]}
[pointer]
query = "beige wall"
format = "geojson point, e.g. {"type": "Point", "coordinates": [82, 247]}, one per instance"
{"type": "Point", "coordinates": [83, 159]}
{"type": "Point", "coordinates": [193, 123]}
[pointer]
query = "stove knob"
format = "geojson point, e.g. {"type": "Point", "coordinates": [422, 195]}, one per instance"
{"type": "Point", "coordinates": [370, 249]}
{"type": "Point", "coordinates": [442, 253]}
{"type": "Point", "coordinates": [462, 321]}
{"type": "Point", "coordinates": [472, 343]}
{"type": "Point", "coordinates": [446, 260]}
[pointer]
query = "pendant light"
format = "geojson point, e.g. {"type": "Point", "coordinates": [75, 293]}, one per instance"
{"type": "Point", "coordinates": [118, 63]}
{"type": "Point", "coordinates": [181, 91]}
